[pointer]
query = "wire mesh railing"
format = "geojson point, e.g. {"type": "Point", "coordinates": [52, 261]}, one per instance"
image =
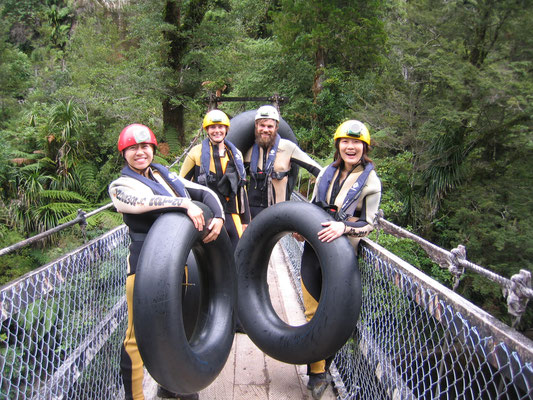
{"type": "Point", "coordinates": [416, 339]}
{"type": "Point", "coordinates": [62, 325]}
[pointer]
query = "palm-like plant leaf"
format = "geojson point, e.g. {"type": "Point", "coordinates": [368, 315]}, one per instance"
{"type": "Point", "coordinates": [85, 180]}
{"type": "Point", "coordinates": [445, 169]}
{"type": "Point", "coordinates": [64, 195]}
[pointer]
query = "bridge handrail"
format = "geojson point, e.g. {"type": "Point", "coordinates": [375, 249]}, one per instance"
{"type": "Point", "coordinates": [517, 290]}
{"type": "Point", "coordinates": [81, 219]}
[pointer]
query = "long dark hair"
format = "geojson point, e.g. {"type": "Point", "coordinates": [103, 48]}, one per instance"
{"type": "Point", "coordinates": [337, 159]}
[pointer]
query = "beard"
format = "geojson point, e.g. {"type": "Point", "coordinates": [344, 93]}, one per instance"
{"type": "Point", "coordinates": [265, 143]}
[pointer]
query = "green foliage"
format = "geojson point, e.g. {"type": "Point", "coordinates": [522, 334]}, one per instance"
{"type": "Point", "coordinates": [60, 22]}
{"type": "Point", "coordinates": [15, 77]}
{"type": "Point", "coordinates": [444, 86]}
{"type": "Point", "coordinates": [394, 173]}
{"type": "Point", "coordinates": [100, 223]}
{"type": "Point", "coordinates": [412, 253]}
{"type": "Point", "coordinates": [13, 265]}
{"type": "Point", "coordinates": [254, 16]}
{"type": "Point", "coordinates": [308, 25]}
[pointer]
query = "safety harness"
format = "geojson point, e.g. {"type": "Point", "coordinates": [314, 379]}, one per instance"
{"type": "Point", "coordinates": [352, 197]}
{"type": "Point", "coordinates": [206, 175]}
{"type": "Point", "coordinates": [267, 174]}
{"type": "Point", "coordinates": [268, 168]}
{"type": "Point", "coordinates": [170, 177]}
{"type": "Point", "coordinates": [226, 184]}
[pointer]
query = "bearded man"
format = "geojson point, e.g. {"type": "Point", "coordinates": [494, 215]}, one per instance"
{"type": "Point", "coordinates": [269, 162]}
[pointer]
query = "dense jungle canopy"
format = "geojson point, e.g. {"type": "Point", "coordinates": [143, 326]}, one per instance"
{"type": "Point", "coordinates": [445, 86]}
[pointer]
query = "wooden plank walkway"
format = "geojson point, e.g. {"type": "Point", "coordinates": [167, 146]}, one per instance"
{"type": "Point", "coordinates": [249, 374]}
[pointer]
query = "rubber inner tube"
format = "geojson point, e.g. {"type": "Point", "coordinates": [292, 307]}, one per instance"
{"type": "Point", "coordinates": [242, 134]}
{"type": "Point", "coordinates": [180, 364]}
{"type": "Point", "coordinates": [242, 130]}
{"type": "Point", "coordinates": [340, 300]}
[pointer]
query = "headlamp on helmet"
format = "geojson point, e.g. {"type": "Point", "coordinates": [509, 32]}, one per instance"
{"type": "Point", "coordinates": [353, 129]}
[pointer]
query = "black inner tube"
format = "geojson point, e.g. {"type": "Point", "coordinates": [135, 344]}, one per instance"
{"type": "Point", "coordinates": [340, 299]}
{"type": "Point", "coordinates": [242, 134]}
{"type": "Point", "coordinates": [184, 362]}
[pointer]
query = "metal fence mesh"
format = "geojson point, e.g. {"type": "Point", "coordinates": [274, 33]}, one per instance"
{"type": "Point", "coordinates": [62, 326]}
{"type": "Point", "coordinates": [59, 336]}
{"type": "Point", "coordinates": [414, 341]}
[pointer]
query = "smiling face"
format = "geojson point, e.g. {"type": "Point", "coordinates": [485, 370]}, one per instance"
{"type": "Point", "coordinates": [351, 151]}
{"type": "Point", "coordinates": [216, 133]}
{"type": "Point", "coordinates": [139, 156]}
{"type": "Point", "coordinates": [265, 132]}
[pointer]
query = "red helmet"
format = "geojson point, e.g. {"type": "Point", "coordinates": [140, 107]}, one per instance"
{"type": "Point", "coordinates": [135, 134]}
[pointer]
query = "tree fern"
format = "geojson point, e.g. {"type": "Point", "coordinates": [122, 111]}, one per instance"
{"type": "Point", "coordinates": [50, 215]}
{"type": "Point", "coordinates": [173, 143]}
{"type": "Point", "coordinates": [104, 219]}
{"type": "Point", "coordinates": [63, 195]}
{"type": "Point", "coordinates": [85, 179]}
{"type": "Point", "coordinates": [445, 168]}
{"type": "Point", "coordinates": [62, 135]}
{"type": "Point", "coordinates": [13, 153]}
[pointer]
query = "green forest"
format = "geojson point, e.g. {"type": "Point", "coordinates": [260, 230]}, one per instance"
{"type": "Point", "coordinates": [445, 87]}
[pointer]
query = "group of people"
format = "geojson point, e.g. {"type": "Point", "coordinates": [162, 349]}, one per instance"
{"type": "Point", "coordinates": [236, 189]}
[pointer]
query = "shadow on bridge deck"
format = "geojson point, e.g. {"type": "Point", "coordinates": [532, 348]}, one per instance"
{"type": "Point", "coordinates": [249, 374]}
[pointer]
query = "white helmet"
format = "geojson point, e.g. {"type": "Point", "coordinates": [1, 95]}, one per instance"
{"type": "Point", "coordinates": [267, 112]}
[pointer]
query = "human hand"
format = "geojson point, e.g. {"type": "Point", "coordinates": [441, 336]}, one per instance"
{"type": "Point", "coordinates": [244, 226]}
{"type": "Point", "coordinates": [196, 215]}
{"type": "Point", "coordinates": [332, 230]}
{"type": "Point", "coordinates": [214, 228]}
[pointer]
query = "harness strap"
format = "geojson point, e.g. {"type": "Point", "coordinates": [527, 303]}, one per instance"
{"type": "Point", "coordinates": [170, 177]}
{"type": "Point", "coordinates": [269, 165]}
{"type": "Point", "coordinates": [352, 197]}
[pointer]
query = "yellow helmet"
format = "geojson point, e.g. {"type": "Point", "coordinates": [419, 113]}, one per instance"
{"type": "Point", "coordinates": [353, 129]}
{"type": "Point", "coordinates": [215, 117]}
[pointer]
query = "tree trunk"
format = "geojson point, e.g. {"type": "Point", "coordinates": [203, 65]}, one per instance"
{"type": "Point", "coordinates": [184, 20]}
{"type": "Point", "coordinates": [320, 63]}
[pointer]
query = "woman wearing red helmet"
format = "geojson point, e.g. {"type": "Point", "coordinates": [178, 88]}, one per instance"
{"type": "Point", "coordinates": [141, 193]}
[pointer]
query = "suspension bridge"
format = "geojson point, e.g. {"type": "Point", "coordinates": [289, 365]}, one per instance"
{"type": "Point", "coordinates": [62, 325]}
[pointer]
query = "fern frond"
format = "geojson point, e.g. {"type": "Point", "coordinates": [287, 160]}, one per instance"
{"type": "Point", "coordinates": [22, 154]}
{"type": "Point", "coordinates": [30, 168]}
{"type": "Point", "coordinates": [50, 215]}
{"type": "Point", "coordinates": [105, 218]}
{"type": "Point", "coordinates": [160, 160]}
{"type": "Point", "coordinates": [173, 143]}
{"type": "Point", "coordinates": [63, 195]}
{"type": "Point", "coordinates": [60, 208]}
{"type": "Point", "coordinates": [85, 175]}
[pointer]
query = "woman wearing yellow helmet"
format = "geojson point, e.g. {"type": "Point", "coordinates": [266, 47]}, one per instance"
{"type": "Point", "coordinates": [350, 190]}
{"type": "Point", "coordinates": [218, 164]}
